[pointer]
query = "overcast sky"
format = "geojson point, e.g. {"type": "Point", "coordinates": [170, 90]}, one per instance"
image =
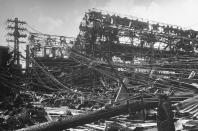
{"type": "Point", "coordinates": [62, 17]}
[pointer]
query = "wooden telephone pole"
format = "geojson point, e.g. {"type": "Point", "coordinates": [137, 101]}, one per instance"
{"type": "Point", "coordinates": [15, 27]}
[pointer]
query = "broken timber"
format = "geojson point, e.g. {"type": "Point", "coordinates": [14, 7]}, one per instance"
{"type": "Point", "coordinates": [79, 120]}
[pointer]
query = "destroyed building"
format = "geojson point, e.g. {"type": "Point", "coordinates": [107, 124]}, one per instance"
{"type": "Point", "coordinates": [110, 47]}
{"type": "Point", "coordinates": [114, 58]}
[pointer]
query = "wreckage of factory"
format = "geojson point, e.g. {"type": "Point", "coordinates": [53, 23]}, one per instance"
{"type": "Point", "coordinates": [120, 73]}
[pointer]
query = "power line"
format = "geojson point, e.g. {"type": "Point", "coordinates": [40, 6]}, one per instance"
{"type": "Point", "coordinates": [15, 26]}
{"type": "Point", "coordinates": [32, 28]}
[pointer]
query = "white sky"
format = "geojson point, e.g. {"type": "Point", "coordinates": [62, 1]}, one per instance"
{"type": "Point", "coordinates": [177, 12]}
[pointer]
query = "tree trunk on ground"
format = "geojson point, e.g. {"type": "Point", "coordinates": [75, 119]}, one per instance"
{"type": "Point", "coordinates": [90, 117]}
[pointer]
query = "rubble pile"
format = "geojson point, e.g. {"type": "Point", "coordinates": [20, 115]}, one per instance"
{"type": "Point", "coordinates": [117, 65]}
{"type": "Point", "coordinates": [16, 107]}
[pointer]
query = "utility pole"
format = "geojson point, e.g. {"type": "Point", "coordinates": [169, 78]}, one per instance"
{"type": "Point", "coordinates": [15, 27]}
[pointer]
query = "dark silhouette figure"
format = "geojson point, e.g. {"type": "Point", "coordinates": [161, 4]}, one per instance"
{"type": "Point", "coordinates": [165, 120]}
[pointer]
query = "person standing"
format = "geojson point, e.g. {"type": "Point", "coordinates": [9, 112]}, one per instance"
{"type": "Point", "coordinates": [165, 120]}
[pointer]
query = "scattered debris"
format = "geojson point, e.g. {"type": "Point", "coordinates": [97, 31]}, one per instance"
{"type": "Point", "coordinates": [107, 78]}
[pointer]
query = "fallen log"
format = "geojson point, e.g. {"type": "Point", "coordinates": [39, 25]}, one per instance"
{"type": "Point", "coordinates": [79, 120]}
